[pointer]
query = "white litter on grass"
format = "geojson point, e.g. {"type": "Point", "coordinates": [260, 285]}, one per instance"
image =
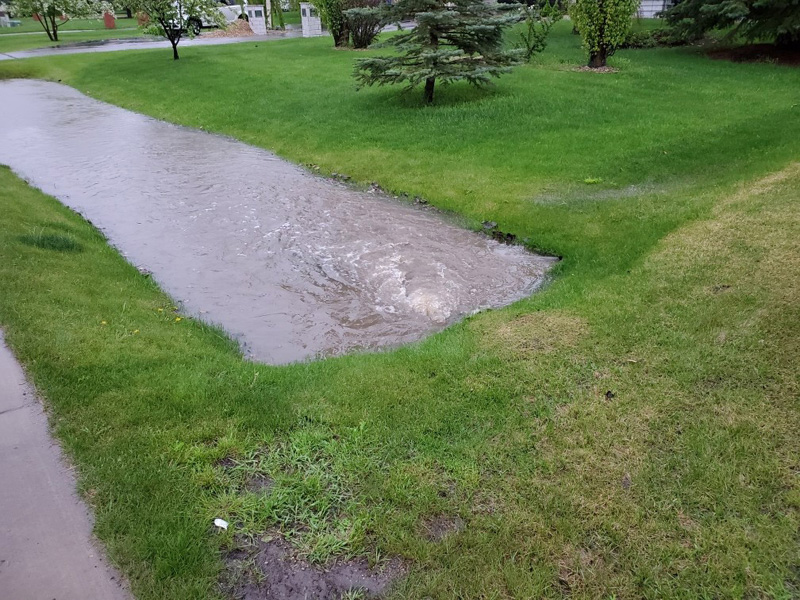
{"type": "Point", "coordinates": [221, 523]}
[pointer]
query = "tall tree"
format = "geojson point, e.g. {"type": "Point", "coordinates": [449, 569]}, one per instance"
{"type": "Point", "coordinates": [604, 26]}
{"type": "Point", "coordinates": [53, 14]}
{"type": "Point", "coordinates": [453, 40]}
{"type": "Point", "coordinates": [172, 18]}
{"type": "Point", "coordinates": [769, 20]}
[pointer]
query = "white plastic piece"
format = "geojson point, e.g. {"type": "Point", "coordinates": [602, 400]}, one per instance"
{"type": "Point", "coordinates": [221, 523]}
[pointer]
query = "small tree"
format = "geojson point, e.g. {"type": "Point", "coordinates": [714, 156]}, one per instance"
{"type": "Point", "coordinates": [331, 12]}
{"type": "Point", "coordinates": [276, 15]}
{"type": "Point", "coordinates": [53, 14]}
{"type": "Point", "coordinates": [537, 25]}
{"type": "Point", "coordinates": [457, 40]}
{"type": "Point", "coordinates": [174, 18]}
{"type": "Point", "coordinates": [604, 26]}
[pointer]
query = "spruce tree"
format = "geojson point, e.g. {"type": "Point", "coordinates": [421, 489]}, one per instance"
{"type": "Point", "coordinates": [454, 40]}
{"type": "Point", "coordinates": [777, 21]}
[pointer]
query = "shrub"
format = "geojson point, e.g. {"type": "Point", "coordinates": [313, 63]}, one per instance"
{"type": "Point", "coordinates": [365, 22]}
{"type": "Point", "coordinates": [639, 39]}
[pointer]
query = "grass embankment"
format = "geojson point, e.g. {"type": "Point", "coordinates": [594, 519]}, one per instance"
{"type": "Point", "coordinates": [16, 43]}
{"type": "Point", "coordinates": [28, 25]}
{"type": "Point", "coordinates": [630, 431]}
{"type": "Point", "coordinates": [30, 35]}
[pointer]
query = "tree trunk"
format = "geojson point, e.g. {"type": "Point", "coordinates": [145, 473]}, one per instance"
{"type": "Point", "coordinates": [598, 59]}
{"type": "Point", "coordinates": [175, 51]}
{"type": "Point", "coordinates": [128, 13]}
{"type": "Point", "coordinates": [342, 37]}
{"type": "Point", "coordinates": [429, 83]}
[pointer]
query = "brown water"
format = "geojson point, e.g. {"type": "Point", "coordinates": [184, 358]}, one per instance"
{"type": "Point", "coordinates": [291, 264]}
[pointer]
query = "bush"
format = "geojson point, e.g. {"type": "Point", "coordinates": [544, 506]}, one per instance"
{"type": "Point", "coordinates": [365, 22]}
{"type": "Point", "coordinates": [669, 36]}
{"type": "Point", "coordinates": [639, 39]}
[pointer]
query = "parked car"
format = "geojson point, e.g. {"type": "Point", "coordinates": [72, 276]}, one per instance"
{"type": "Point", "coordinates": [230, 9]}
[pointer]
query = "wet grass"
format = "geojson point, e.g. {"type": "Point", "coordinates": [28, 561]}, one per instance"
{"type": "Point", "coordinates": [631, 431]}
{"type": "Point", "coordinates": [28, 25]}
{"type": "Point", "coordinates": [16, 43]}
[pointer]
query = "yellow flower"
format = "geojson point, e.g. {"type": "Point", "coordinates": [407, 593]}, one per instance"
{"type": "Point", "coordinates": [135, 331]}
{"type": "Point", "coordinates": [103, 323]}
{"type": "Point", "coordinates": [178, 319]}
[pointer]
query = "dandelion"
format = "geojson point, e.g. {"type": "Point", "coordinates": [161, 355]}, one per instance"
{"type": "Point", "coordinates": [135, 331]}
{"type": "Point", "coordinates": [178, 319]}
{"type": "Point", "coordinates": [103, 323]}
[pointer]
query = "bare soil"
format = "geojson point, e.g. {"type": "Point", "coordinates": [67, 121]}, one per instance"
{"type": "Point", "coordinates": [587, 69]}
{"type": "Point", "coordinates": [272, 571]}
{"type": "Point", "coordinates": [438, 528]}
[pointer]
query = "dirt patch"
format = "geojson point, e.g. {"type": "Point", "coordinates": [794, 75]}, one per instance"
{"type": "Point", "coordinates": [766, 53]}
{"type": "Point", "coordinates": [575, 567]}
{"type": "Point", "coordinates": [272, 571]}
{"type": "Point", "coordinates": [438, 528]}
{"type": "Point", "coordinates": [239, 28]}
{"type": "Point", "coordinates": [226, 463]}
{"type": "Point", "coordinates": [587, 69]}
{"type": "Point", "coordinates": [259, 484]}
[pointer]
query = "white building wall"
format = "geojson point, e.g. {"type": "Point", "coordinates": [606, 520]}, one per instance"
{"type": "Point", "coordinates": [649, 8]}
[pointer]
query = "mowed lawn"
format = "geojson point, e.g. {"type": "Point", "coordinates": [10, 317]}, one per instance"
{"type": "Point", "coordinates": [30, 34]}
{"type": "Point", "coordinates": [630, 431]}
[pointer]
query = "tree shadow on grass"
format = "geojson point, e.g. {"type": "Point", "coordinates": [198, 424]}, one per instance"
{"type": "Point", "coordinates": [446, 96]}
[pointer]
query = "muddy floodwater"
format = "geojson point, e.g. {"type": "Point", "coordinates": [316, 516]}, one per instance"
{"type": "Point", "coordinates": [290, 264]}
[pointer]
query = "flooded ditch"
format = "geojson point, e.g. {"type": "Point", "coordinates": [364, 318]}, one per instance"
{"type": "Point", "coordinates": [290, 264]}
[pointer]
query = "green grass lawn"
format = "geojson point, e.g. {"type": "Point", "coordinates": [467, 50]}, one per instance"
{"type": "Point", "coordinates": [15, 43]}
{"type": "Point", "coordinates": [631, 431]}
{"type": "Point", "coordinates": [291, 17]}
{"type": "Point", "coordinates": [29, 25]}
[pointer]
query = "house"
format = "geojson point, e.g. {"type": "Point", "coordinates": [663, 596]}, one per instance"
{"type": "Point", "coordinates": [648, 9]}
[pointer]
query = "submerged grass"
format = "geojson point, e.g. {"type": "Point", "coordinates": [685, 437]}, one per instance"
{"type": "Point", "coordinates": [631, 431]}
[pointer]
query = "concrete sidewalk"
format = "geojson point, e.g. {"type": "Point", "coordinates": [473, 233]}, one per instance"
{"type": "Point", "coordinates": [46, 546]}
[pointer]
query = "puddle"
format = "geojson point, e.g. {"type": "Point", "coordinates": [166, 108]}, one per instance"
{"type": "Point", "coordinates": [291, 264]}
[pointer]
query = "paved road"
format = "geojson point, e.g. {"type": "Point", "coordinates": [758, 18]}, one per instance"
{"type": "Point", "coordinates": [142, 44]}
{"type": "Point", "coordinates": [46, 546]}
